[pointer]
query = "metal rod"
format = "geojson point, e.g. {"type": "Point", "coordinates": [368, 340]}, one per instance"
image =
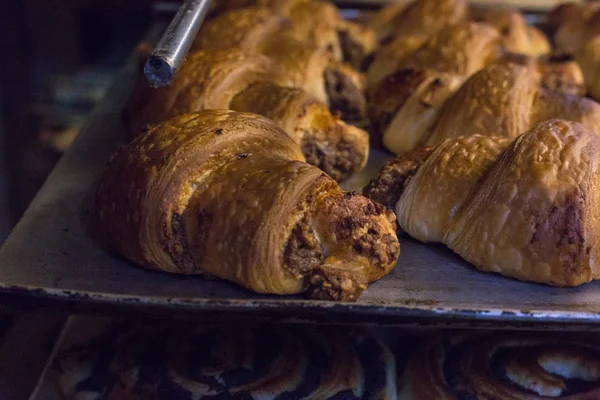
{"type": "Point", "coordinates": [169, 53]}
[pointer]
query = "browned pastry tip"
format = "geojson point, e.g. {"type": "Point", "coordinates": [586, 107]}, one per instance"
{"type": "Point", "coordinates": [503, 366]}
{"type": "Point", "coordinates": [388, 186]}
{"type": "Point", "coordinates": [345, 89]}
{"type": "Point", "coordinates": [404, 106]}
{"type": "Point", "coordinates": [327, 142]}
{"type": "Point", "coordinates": [169, 185]}
{"type": "Point", "coordinates": [207, 79]}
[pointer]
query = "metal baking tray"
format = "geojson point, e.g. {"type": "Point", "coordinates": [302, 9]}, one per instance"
{"type": "Point", "coordinates": [51, 260]}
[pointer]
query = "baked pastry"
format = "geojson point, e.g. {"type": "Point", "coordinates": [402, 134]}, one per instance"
{"type": "Point", "coordinates": [318, 23]}
{"type": "Point", "coordinates": [463, 48]}
{"type": "Point", "coordinates": [523, 208]}
{"type": "Point", "coordinates": [421, 18]}
{"type": "Point", "coordinates": [419, 107]}
{"type": "Point", "coordinates": [233, 79]}
{"type": "Point", "coordinates": [191, 361]}
{"type": "Point", "coordinates": [522, 366]}
{"type": "Point", "coordinates": [589, 59]}
{"type": "Point", "coordinates": [517, 35]}
{"type": "Point", "coordinates": [306, 66]}
{"type": "Point", "coordinates": [229, 194]}
{"type": "Point", "coordinates": [575, 24]}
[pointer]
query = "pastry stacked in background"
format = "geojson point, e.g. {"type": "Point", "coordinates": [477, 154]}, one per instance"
{"type": "Point", "coordinates": [206, 187]}
{"type": "Point", "coordinates": [185, 360]}
{"type": "Point", "coordinates": [497, 144]}
{"type": "Point", "coordinates": [285, 61]}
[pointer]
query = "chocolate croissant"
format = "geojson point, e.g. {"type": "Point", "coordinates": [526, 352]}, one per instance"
{"type": "Point", "coordinates": [199, 361]}
{"type": "Point", "coordinates": [229, 194]}
{"type": "Point", "coordinates": [233, 79]}
{"type": "Point", "coordinates": [521, 366]}
{"type": "Point", "coordinates": [417, 107]}
{"type": "Point", "coordinates": [524, 208]}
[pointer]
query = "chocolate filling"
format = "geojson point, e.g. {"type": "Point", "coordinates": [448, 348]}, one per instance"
{"type": "Point", "coordinates": [344, 97]}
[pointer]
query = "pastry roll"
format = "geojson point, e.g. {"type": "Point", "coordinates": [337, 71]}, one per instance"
{"type": "Point", "coordinates": [229, 195]}
{"type": "Point", "coordinates": [503, 366]}
{"type": "Point", "coordinates": [305, 65]}
{"type": "Point", "coordinates": [191, 361]}
{"type": "Point", "coordinates": [233, 79]}
{"type": "Point", "coordinates": [523, 208]}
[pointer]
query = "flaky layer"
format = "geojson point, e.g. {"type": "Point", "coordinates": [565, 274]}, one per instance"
{"type": "Point", "coordinates": [220, 192]}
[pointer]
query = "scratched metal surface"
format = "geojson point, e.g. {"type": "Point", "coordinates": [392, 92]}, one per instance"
{"type": "Point", "coordinates": [50, 260]}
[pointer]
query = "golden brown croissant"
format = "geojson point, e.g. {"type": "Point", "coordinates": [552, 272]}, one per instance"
{"type": "Point", "coordinates": [523, 366]}
{"type": "Point", "coordinates": [462, 49]}
{"type": "Point", "coordinates": [525, 209]}
{"type": "Point", "coordinates": [233, 79]}
{"type": "Point", "coordinates": [305, 66]}
{"type": "Point", "coordinates": [228, 194]}
{"type": "Point", "coordinates": [318, 23]}
{"type": "Point", "coordinates": [185, 360]}
{"type": "Point", "coordinates": [412, 108]}
{"type": "Point", "coordinates": [517, 35]}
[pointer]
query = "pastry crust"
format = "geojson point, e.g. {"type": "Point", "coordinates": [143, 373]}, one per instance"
{"type": "Point", "coordinates": [502, 366]}
{"type": "Point", "coordinates": [169, 185]}
{"type": "Point", "coordinates": [233, 79]}
{"type": "Point", "coordinates": [526, 209]}
{"type": "Point", "coordinates": [517, 35]}
{"type": "Point", "coordinates": [335, 147]}
{"type": "Point", "coordinates": [507, 99]}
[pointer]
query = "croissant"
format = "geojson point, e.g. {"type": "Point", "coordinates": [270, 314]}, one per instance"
{"type": "Point", "coordinates": [228, 194]}
{"type": "Point", "coordinates": [521, 366]}
{"type": "Point", "coordinates": [463, 48]}
{"type": "Point", "coordinates": [233, 79]}
{"type": "Point", "coordinates": [195, 361]}
{"type": "Point", "coordinates": [315, 22]}
{"type": "Point", "coordinates": [524, 209]}
{"type": "Point", "coordinates": [314, 69]}
{"type": "Point", "coordinates": [412, 108]}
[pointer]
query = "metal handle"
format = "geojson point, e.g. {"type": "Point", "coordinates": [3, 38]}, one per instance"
{"type": "Point", "coordinates": [169, 53]}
